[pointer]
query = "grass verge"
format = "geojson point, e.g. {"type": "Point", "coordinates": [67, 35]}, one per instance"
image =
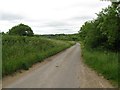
{"type": "Point", "coordinates": [104, 62]}
{"type": "Point", "coordinates": [22, 52]}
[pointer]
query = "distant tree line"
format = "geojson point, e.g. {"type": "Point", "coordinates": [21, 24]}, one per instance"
{"type": "Point", "coordinates": [66, 37]}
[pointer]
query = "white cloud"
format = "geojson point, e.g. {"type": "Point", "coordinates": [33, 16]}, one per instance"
{"type": "Point", "coordinates": [49, 16]}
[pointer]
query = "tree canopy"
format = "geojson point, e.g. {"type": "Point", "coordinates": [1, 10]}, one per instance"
{"type": "Point", "coordinates": [21, 29]}
{"type": "Point", "coordinates": [104, 31]}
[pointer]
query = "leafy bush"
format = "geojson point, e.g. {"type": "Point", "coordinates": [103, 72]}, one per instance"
{"type": "Point", "coordinates": [104, 31]}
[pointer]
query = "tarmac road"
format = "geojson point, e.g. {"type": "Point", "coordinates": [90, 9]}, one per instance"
{"type": "Point", "coordinates": [63, 70]}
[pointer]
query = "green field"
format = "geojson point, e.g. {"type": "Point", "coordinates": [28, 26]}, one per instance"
{"type": "Point", "coordinates": [104, 62]}
{"type": "Point", "coordinates": [20, 52]}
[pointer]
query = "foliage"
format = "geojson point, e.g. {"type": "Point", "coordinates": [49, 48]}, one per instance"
{"type": "Point", "coordinates": [104, 31]}
{"type": "Point", "coordinates": [21, 29]}
{"type": "Point", "coordinates": [20, 52]}
{"type": "Point", "coordinates": [65, 37]}
{"type": "Point", "coordinates": [100, 39]}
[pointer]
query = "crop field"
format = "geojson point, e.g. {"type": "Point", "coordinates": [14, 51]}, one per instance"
{"type": "Point", "coordinates": [20, 52]}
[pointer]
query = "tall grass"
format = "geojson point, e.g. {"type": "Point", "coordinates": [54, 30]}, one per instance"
{"type": "Point", "coordinates": [104, 62]}
{"type": "Point", "coordinates": [22, 52]}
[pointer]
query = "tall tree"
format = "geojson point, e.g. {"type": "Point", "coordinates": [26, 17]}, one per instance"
{"type": "Point", "coordinates": [21, 29]}
{"type": "Point", "coordinates": [104, 31]}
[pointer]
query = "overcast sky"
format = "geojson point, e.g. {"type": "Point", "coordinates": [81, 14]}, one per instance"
{"type": "Point", "coordinates": [49, 16]}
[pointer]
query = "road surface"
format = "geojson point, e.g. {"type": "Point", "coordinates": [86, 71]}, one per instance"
{"type": "Point", "coordinates": [64, 70]}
